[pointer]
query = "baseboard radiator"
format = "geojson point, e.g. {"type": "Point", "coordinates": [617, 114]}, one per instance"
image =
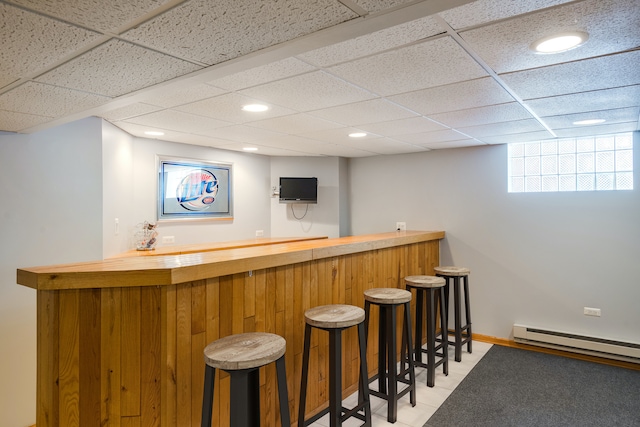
{"type": "Point", "coordinates": [618, 350]}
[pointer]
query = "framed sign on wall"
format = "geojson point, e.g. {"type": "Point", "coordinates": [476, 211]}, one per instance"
{"type": "Point", "coordinates": [194, 189]}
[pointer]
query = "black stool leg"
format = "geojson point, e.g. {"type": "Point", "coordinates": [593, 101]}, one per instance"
{"type": "Point", "coordinates": [457, 319]}
{"type": "Point", "coordinates": [207, 396]}
{"type": "Point", "coordinates": [305, 374]}
{"type": "Point", "coordinates": [335, 377]}
{"type": "Point", "coordinates": [283, 395]}
{"type": "Point", "coordinates": [363, 394]}
{"type": "Point", "coordinates": [467, 309]}
{"type": "Point", "coordinates": [382, 350]}
{"type": "Point", "coordinates": [418, 340]}
{"type": "Point", "coordinates": [245, 398]}
{"type": "Point", "coordinates": [431, 339]}
{"type": "Point", "coordinates": [390, 349]}
{"type": "Point", "coordinates": [444, 333]}
{"type": "Point", "coordinates": [406, 330]}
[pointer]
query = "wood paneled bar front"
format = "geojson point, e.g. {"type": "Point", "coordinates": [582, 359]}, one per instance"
{"type": "Point", "coordinates": [120, 341]}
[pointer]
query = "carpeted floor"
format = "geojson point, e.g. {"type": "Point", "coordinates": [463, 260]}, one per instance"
{"type": "Point", "coordinates": [513, 387]}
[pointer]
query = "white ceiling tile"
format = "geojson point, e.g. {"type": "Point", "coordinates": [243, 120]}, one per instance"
{"type": "Point", "coordinates": [373, 43]}
{"type": "Point", "coordinates": [384, 146]}
{"type": "Point", "coordinates": [454, 144]}
{"type": "Point", "coordinates": [128, 111]}
{"type": "Point", "coordinates": [103, 15]}
{"type": "Point", "coordinates": [483, 11]}
{"type": "Point", "coordinates": [604, 129]}
{"type": "Point", "coordinates": [309, 92]}
{"type": "Point", "coordinates": [264, 74]}
{"type": "Point", "coordinates": [365, 112]}
{"type": "Point", "coordinates": [335, 150]}
{"type": "Point", "coordinates": [627, 96]}
{"type": "Point", "coordinates": [31, 42]}
{"type": "Point", "coordinates": [296, 124]}
{"type": "Point", "coordinates": [620, 115]}
{"type": "Point", "coordinates": [337, 136]}
{"type": "Point", "coordinates": [504, 128]}
{"type": "Point", "coordinates": [16, 122]}
{"type": "Point", "coordinates": [241, 133]}
{"type": "Point", "coordinates": [456, 96]}
{"type": "Point", "coordinates": [520, 137]}
{"type": "Point", "coordinates": [432, 137]}
{"type": "Point", "coordinates": [505, 45]}
{"type": "Point", "coordinates": [170, 135]}
{"type": "Point", "coordinates": [178, 121]}
{"type": "Point", "coordinates": [432, 63]}
{"type": "Point", "coordinates": [295, 144]}
{"type": "Point", "coordinates": [611, 71]}
{"type": "Point", "coordinates": [173, 96]}
{"type": "Point", "coordinates": [116, 68]}
{"type": "Point", "coordinates": [483, 115]}
{"type": "Point", "coordinates": [402, 126]}
{"type": "Point", "coordinates": [228, 107]}
{"type": "Point", "coordinates": [46, 100]}
{"type": "Point", "coordinates": [378, 5]}
{"type": "Point", "coordinates": [182, 30]}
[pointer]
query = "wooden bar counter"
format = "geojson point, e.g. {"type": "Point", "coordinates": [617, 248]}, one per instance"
{"type": "Point", "coordinates": [120, 341]}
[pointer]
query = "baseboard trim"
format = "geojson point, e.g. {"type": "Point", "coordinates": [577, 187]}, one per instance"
{"type": "Point", "coordinates": [510, 343]}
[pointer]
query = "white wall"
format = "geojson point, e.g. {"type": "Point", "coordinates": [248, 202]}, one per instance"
{"type": "Point", "coordinates": [50, 213]}
{"type": "Point", "coordinates": [535, 259]}
{"type": "Point", "coordinates": [131, 188]}
{"type": "Point", "coordinates": [322, 219]}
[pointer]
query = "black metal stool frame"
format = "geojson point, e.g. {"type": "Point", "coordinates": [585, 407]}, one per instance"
{"type": "Point", "coordinates": [337, 413]}
{"type": "Point", "coordinates": [245, 396]}
{"type": "Point", "coordinates": [432, 348]}
{"type": "Point", "coordinates": [388, 373]}
{"type": "Point", "coordinates": [462, 333]}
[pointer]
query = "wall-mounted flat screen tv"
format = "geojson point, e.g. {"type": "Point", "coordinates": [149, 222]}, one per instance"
{"type": "Point", "coordinates": [298, 190]}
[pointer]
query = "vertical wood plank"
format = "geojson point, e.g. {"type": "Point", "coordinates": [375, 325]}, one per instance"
{"type": "Point", "coordinates": [69, 381]}
{"type": "Point", "coordinates": [48, 347]}
{"type": "Point", "coordinates": [168, 391]}
{"type": "Point", "coordinates": [130, 362]}
{"type": "Point", "coordinates": [150, 348]}
{"type": "Point", "coordinates": [238, 304]}
{"type": "Point", "coordinates": [198, 307]}
{"type": "Point", "coordinates": [198, 343]}
{"type": "Point", "coordinates": [183, 354]}
{"type": "Point", "coordinates": [111, 315]}
{"type": "Point", "coordinates": [89, 357]}
{"type": "Point", "coordinates": [250, 295]}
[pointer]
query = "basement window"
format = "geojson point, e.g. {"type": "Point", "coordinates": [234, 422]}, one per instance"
{"type": "Point", "coordinates": [580, 164]}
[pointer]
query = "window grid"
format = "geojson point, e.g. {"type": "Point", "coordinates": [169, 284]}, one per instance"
{"type": "Point", "coordinates": [581, 164]}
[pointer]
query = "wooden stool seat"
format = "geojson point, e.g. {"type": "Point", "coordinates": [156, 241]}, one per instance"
{"type": "Point", "coordinates": [245, 351]}
{"type": "Point", "coordinates": [387, 295]}
{"type": "Point", "coordinates": [335, 318]}
{"type": "Point", "coordinates": [462, 332]}
{"type": "Point", "coordinates": [242, 355]}
{"type": "Point", "coordinates": [389, 374]}
{"type": "Point", "coordinates": [437, 343]}
{"type": "Point", "coordinates": [451, 271]}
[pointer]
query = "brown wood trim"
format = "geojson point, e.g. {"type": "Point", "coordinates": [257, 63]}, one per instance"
{"type": "Point", "coordinates": [511, 343]}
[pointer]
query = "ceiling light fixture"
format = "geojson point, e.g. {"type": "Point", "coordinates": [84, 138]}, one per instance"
{"type": "Point", "coordinates": [153, 133]}
{"type": "Point", "coordinates": [357, 134]}
{"type": "Point", "coordinates": [589, 122]}
{"type": "Point", "coordinates": [255, 108]}
{"type": "Point", "coordinates": [560, 42]}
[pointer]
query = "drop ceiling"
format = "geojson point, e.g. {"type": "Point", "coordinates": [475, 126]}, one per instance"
{"type": "Point", "coordinates": [414, 75]}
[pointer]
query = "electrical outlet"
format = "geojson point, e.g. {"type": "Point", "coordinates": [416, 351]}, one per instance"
{"type": "Point", "coordinates": [588, 311]}
{"type": "Point", "coordinates": [401, 226]}
{"type": "Point", "coordinates": [168, 239]}
{"type": "Point", "coordinates": [259, 233]}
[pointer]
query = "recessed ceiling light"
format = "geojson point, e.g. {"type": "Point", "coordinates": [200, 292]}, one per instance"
{"type": "Point", "coordinates": [560, 42]}
{"type": "Point", "coordinates": [250, 149]}
{"type": "Point", "coordinates": [153, 133]}
{"type": "Point", "coordinates": [255, 108]}
{"type": "Point", "coordinates": [589, 122]}
{"type": "Point", "coordinates": [357, 134]}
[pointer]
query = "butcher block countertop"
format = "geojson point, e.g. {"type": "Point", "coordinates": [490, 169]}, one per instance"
{"type": "Point", "coordinates": [195, 262]}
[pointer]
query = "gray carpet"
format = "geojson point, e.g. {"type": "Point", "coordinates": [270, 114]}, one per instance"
{"type": "Point", "coordinates": [513, 387]}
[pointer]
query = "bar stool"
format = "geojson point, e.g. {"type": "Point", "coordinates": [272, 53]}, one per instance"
{"type": "Point", "coordinates": [462, 332]}
{"type": "Point", "coordinates": [388, 299]}
{"type": "Point", "coordinates": [241, 355]}
{"type": "Point", "coordinates": [334, 319]}
{"type": "Point", "coordinates": [437, 343]}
